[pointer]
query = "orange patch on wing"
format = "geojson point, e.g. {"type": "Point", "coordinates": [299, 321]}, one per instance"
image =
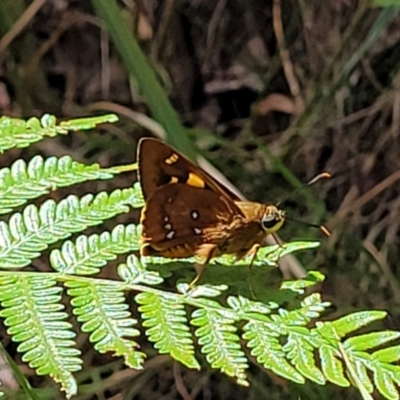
{"type": "Point", "coordinates": [195, 180]}
{"type": "Point", "coordinates": [172, 159]}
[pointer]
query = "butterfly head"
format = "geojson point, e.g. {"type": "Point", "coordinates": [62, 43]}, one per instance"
{"type": "Point", "coordinates": [272, 219]}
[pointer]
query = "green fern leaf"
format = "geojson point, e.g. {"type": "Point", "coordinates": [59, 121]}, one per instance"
{"type": "Point", "coordinates": [386, 375]}
{"type": "Point", "coordinates": [241, 304]}
{"type": "Point", "coordinates": [88, 254]}
{"type": "Point", "coordinates": [165, 318]}
{"type": "Point", "coordinates": [362, 373]}
{"type": "Point", "coordinates": [104, 313]}
{"type": "Point", "coordinates": [219, 341]}
{"type": "Point", "coordinates": [390, 354]}
{"type": "Point", "coordinates": [262, 337]}
{"type": "Point", "coordinates": [19, 133]}
{"type": "Point", "coordinates": [311, 308]}
{"type": "Point", "coordinates": [357, 320]}
{"type": "Point", "coordinates": [134, 272]}
{"type": "Point", "coordinates": [201, 290]}
{"type": "Point", "coordinates": [372, 340]}
{"type": "Point", "coordinates": [270, 255]}
{"type": "Point", "coordinates": [265, 346]}
{"type": "Point", "coordinates": [267, 255]}
{"type": "Point", "coordinates": [34, 315]}
{"type": "Point", "coordinates": [384, 382]}
{"type": "Point", "coordinates": [30, 232]}
{"type": "Point", "coordinates": [301, 353]}
{"type": "Point", "coordinates": [298, 285]}
{"type": "Point", "coordinates": [22, 182]}
{"type": "Point", "coordinates": [86, 123]}
{"type": "Point", "coordinates": [331, 366]}
{"type": "Point", "coordinates": [301, 343]}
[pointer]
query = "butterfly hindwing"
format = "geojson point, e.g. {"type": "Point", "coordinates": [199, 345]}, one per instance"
{"type": "Point", "coordinates": [176, 214]}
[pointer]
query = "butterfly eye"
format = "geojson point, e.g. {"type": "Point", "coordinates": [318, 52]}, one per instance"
{"type": "Point", "coordinates": [269, 221]}
{"type": "Point", "coordinates": [272, 220]}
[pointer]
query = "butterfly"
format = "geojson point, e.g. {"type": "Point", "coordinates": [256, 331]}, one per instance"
{"type": "Point", "coordinates": [188, 213]}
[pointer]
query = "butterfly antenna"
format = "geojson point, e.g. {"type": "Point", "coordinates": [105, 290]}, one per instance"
{"type": "Point", "coordinates": [322, 228]}
{"type": "Point", "coordinates": [323, 175]}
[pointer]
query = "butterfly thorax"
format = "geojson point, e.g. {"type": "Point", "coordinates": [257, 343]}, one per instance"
{"type": "Point", "coordinates": [244, 232]}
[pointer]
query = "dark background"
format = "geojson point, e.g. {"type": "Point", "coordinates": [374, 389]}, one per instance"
{"type": "Point", "coordinates": [268, 110]}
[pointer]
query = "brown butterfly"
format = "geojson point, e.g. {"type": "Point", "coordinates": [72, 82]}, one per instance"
{"type": "Point", "coordinates": [188, 213]}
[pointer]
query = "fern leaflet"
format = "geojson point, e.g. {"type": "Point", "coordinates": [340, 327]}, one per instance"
{"type": "Point", "coordinates": [22, 181]}
{"type": "Point", "coordinates": [166, 322]}
{"type": "Point", "coordinates": [103, 311]}
{"type": "Point", "coordinates": [34, 315]}
{"type": "Point", "coordinates": [30, 232]}
{"type": "Point", "coordinates": [19, 133]}
{"type": "Point", "coordinates": [219, 342]}
{"type": "Point", "coordinates": [88, 254]}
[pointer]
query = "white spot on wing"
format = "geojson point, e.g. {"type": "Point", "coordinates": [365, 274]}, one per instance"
{"type": "Point", "coordinates": [168, 226]}
{"type": "Point", "coordinates": [170, 235]}
{"type": "Point", "coordinates": [195, 214]}
{"type": "Point", "coordinates": [166, 218]}
{"type": "Point", "coordinates": [197, 231]}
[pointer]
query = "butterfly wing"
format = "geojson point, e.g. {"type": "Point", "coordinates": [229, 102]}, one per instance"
{"type": "Point", "coordinates": [179, 218]}
{"type": "Point", "coordinates": [185, 207]}
{"type": "Point", "coordinates": [160, 164]}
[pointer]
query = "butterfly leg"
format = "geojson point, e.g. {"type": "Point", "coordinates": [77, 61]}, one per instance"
{"type": "Point", "coordinates": [277, 240]}
{"type": "Point", "coordinates": [206, 253]}
{"type": "Point", "coordinates": [251, 252]}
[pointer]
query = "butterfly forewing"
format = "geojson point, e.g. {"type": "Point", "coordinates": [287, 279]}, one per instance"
{"type": "Point", "coordinates": [185, 207]}
{"type": "Point", "coordinates": [160, 164]}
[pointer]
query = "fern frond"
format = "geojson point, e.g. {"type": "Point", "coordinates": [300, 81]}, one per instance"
{"type": "Point", "coordinates": [386, 375]}
{"type": "Point", "coordinates": [331, 365]}
{"type": "Point", "coordinates": [379, 363]}
{"type": "Point", "coordinates": [22, 181]}
{"type": "Point", "coordinates": [88, 254]}
{"type": "Point", "coordinates": [267, 349]}
{"type": "Point", "coordinates": [36, 319]}
{"type": "Point", "coordinates": [219, 341]}
{"type": "Point", "coordinates": [310, 308]}
{"type": "Point", "coordinates": [354, 356]}
{"type": "Point", "coordinates": [298, 285]}
{"type": "Point", "coordinates": [30, 232]}
{"type": "Point", "coordinates": [300, 347]}
{"type": "Point", "coordinates": [301, 353]}
{"type": "Point", "coordinates": [134, 272]}
{"type": "Point", "coordinates": [279, 339]}
{"type": "Point", "coordinates": [164, 316]}
{"type": "Point", "coordinates": [262, 337]}
{"type": "Point", "coordinates": [20, 133]}
{"type": "Point", "coordinates": [102, 309]}
{"type": "Point", "coordinates": [267, 255]}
